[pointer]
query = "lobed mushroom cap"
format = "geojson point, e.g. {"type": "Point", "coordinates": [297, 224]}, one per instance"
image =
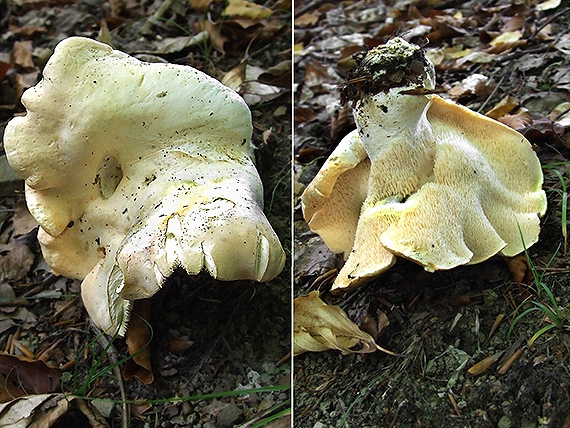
{"type": "Point", "coordinates": [133, 169]}
{"type": "Point", "coordinates": [445, 186]}
{"type": "Point", "coordinates": [331, 202]}
{"type": "Point", "coordinates": [486, 196]}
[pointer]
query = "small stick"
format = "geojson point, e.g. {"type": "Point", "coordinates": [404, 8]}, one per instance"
{"type": "Point", "coordinates": [44, 353]}
{"type": "Point", "coordinates": [24, 349]}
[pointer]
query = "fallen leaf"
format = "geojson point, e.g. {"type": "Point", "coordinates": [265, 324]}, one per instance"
{"type": "Point", "coordinates": [22, 220]}
{"type": "Point", "coordinates": [8, 391]}
{"type": "Point", "coordinates": [498, 321]}
{"type": "Point", "coordinates": [7, 298]}
{"type": "Point", "coordinates": [518, 268]}
{"type": "Point", "coordinates": [170, 45]}
{"type": "Point", "coordinates": [16, 259]}
{"type": "Point", "coordinates": [235, 77]}
{"type": "Point", "coordinates": [309, 154]}
{"type": "Point", "coordinates": [179, 346]}
{"type": "Point", "coordinates": [505, 106]}
{"type": "Point", "coordinates": [278, 75]}
{"type": "Point", "coordinates": [320, 327]}
{"type": "Point", "coordinates": [508, 37]}
{"type": "Point", "coordinates": [307, 19]}
{"type": "Point", "coordinates": [469, 86]}
{"type": "Point", "coordinates": [247, 9]}
{"type": "Point", "coordinates": [34, 376]}
{"type": "Point", "coordinates": [4, 67]}
{"type": "Point", "coordinates": [25, 81]}
{"type": "Point", "coordinates": [254, 92]}
{"type": "Point", "coordinates": [561, 114]}
{"type": "Point", "coordinates": [138, 339]}
{"type": "Point", "coordinates": [477, 58]}
{"type": "Point", "coordinates": [27, 31]}
{"type": "Point", "coordinates": [48, 410]}
{"type": "Point", "coordinates": [548, 4]}
{"type": "Point", "coordinates": [139, 409]}
{"type": "Point", "coordinates": [22, 54]}
{"type": "Point", "coordinates": [517, 121]}
{"type": "Point", "coordinates": [543, 128]}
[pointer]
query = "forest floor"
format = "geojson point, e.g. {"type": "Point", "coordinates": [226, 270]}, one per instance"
{"type": "Point", "coordinates": [209, 337]}
{"type": "Point", "coordinates": [448, 321]}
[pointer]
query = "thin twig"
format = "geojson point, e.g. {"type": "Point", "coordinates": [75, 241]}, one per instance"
{"type": "Point", "coordinates": [156, 17]}
{"type": "Point", "coordinates": [492, 94]}
{"type": "Point", "coordinates": [548, 21]}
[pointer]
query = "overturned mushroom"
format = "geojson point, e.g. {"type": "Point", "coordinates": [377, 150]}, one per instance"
{"type": "Point", "coordinates": [134, 169]}
{"type": "Point", "coordinates": [421, 177]}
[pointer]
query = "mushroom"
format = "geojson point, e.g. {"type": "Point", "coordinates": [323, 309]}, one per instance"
{"type": "Point", "coordinates": [421, 177]}
{"type": "Point", "coordinates": [134, 169]}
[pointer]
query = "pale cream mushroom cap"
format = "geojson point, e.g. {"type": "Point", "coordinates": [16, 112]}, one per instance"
{"type": "Point", "coordinates": [331, 202]}
{"type": "Point", "coordinates": [134, 169]}
{"type": "Point", "coordinates": [486, 193]}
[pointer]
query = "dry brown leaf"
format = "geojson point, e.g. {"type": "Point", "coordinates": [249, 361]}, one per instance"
{"type": "Point", "coordinates": [179, 346]}
{"type": "Point", "coordinates": [319, 327]}
{"type": "Point", "coordinates": [304, 114]}
{"type": "Point", "coordinates": [16, 259]}
{"type": "Point", "coordinates": [505, 106]}
{"type": "Point", "coordinates": [4, 67]}
{"type": "Point", "coordinates": [235, 77]}
{"type": "Point", "coordinates": [518, 267]}
{"type": "Point", "coordinates": [498, 321]}
{"type": "Point", "coordinates": [47, 410]}
{"type": "Point", "coordinates": [22, 220]}
{"type": "Point", "coordinates": [543, 129]}
{"type": "Point", "coordinates": [25, 81]}
{"type": "Point", "coordinates": [517, 121]}
{"type": "Point", "coordinates": [139, 409]}
{"type": "Point", "coordinates": [234, 34]}
{"type": "Point", "coordinates": [247, 9]}
{"type": "Point", "coordinates": [383, 320]}
{"type": "Point", "coordinates": [27, 31]}
{"type": "Point", "coordinates": [316, 73]}
{"type": "Point", "coordinates": [278, 75]}
{"type": "Point", "coordinates": [22, 54]}
{"type": "Point", "coordinates": [513, 23]}
{"type": "Point", "coordinates": [561, 114]}
{"type": "Point", "coordinates": [8, 391]}
{"type": "Point", "coordinates": [215, 35]}
{"type": "Point", "coordinates": [374, 327]}
{"type": "Point", "coordinates": [307, 19]}
{"type": "Point", "coordinates": [138, 339]}
{"type": "Point", "coordinates": [34, 376]}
